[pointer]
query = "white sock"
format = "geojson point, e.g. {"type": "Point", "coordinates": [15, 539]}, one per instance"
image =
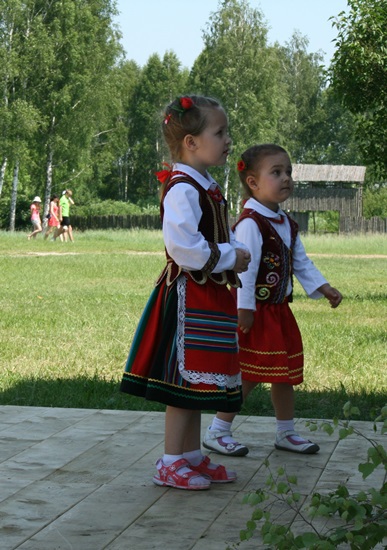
{"type": "Point", "coordinates": [194, 457]}
{"type": "Point", "coordinates": [285, 425]}
{"type": "Point", "coordinates": [220, 425]}
{"type": "Point", "coordinates": [223, 426]}
{"type": "Point", "coordinates": [170, 459]}
{"type": "Point", "coordinates": [288, 425]}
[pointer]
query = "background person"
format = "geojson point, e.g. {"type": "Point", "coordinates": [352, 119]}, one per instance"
{"type": "Point", "coordinates": [64, 215]}
{"type": "Point", "coordinates": [35, 218]}
{"type": "Point", "coordinates": [53, 217]}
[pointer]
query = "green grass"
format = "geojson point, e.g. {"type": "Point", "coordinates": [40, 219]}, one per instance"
{"type": "Point", "coordinates": [69, 312]}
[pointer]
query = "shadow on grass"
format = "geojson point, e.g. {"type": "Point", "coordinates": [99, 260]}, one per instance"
{"type": "Point", "coordinates": [96, 393]}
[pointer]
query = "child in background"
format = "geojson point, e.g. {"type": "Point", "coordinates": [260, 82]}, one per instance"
{"type": "Point", "coordinates": [53, 217]}
{"type": "Point", "coordinates": [35, 218]}
{"type": "Point", "coordinates": [269, 339]}
{"type": "Point", "coordinates": [184, 352]}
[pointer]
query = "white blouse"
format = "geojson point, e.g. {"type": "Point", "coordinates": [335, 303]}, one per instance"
{"type": "Point", "coordinates": [182, 238]}
{"type": "Point", "coordinates": [247, 231]}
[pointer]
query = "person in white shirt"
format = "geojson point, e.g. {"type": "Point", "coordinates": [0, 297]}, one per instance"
{"type": "Point", "coordinates": [185, 351]}
{"type": "Point", "coordinates": [270, 344]}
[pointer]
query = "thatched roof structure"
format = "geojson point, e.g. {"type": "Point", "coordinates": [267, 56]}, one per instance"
{"type": "Point", "coordinates": [328, 173]}
{"type": "Point", "coordinates": [314, 190]}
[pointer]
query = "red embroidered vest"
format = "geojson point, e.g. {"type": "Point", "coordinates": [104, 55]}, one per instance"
{"type": "Point", "coordinates": [276, 265]}
{"type": "Point", "coordinates": [214, 227]}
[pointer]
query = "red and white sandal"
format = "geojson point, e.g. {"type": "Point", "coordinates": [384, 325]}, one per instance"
{"type": "Point", "coordinates": [219, 474]}
{"type": "Point", "coordinates": [168, 476]}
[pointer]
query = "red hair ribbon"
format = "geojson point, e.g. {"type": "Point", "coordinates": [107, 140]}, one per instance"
{"type": "Point", "coordinates": [164, 175]}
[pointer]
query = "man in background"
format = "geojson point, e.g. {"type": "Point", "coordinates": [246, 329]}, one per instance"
{"type": "Point", "coordinates": [64, 215]}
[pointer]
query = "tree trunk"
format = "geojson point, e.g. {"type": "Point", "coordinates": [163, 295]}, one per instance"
{"type": "Point", "coordinates": [126, 178]}
{"type": "Point", "coordinates": [47, 193]}
{"type": "Point", "coordinates": [15, 183]}
{"type": "Point", "coordinates": [226, 181]}
{"type": "Point", "coordinates": [2, 173]}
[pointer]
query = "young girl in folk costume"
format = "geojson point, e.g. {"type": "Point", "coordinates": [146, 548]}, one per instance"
{"type": "Point", "coordinates": [269, 339]}
{"type": "Point", "coordinates": [35, 218]}
{"type": "Point", "coordinates": [184, 352]}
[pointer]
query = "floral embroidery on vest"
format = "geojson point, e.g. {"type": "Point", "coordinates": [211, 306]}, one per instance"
{"type": "Point", "coordinates": [276, 260]}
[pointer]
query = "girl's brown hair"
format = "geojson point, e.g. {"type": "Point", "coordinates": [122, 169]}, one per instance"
{"type": "Point", "coordinates": [180, 121]}
{"type": "Point", "coordinates": [252, 159]}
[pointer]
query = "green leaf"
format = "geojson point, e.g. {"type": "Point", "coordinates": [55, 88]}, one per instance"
{"type": "Point", "coordinates": [257, 514]}
{"type": "Point", "coordinates": [343, 433]}
{"type": "Point", "coordinates": [282, 488]}
{"type": "Point", "coordinates": [366, 469]}
{"type": "Point", "coordinates": [309, 539]}
{"type": "Point", "coordinates": [292, 479]}
{"type": "Point", "coordinates": [251, 525]}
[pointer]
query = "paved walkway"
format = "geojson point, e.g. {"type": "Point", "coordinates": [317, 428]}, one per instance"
{"type": "Point", "coordinates": [78, 479]}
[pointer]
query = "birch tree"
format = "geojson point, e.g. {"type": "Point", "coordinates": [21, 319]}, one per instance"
{"type": "Point", "coordinates": [239, 68]}
{"type": "Point", "coordinates": [18, 117]}
{"type": "Point", "coordinates": [71, 83]}
{"type": "Point", "coordinates": [161, 80]}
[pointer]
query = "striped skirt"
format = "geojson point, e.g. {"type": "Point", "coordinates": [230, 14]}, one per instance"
{"type": "Point", "coordinates": [272, 351]}
{"type": "Point", "coordinates": [185, 352]}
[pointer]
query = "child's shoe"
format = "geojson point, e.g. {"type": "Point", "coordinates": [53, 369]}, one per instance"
{"type": "Point", "coordinates": [168, 476]}
{"type": "Point", "coordinates": [215, 473]}
{"type": "Point", "coordinates": [213, 440]}
{"type": "Point", "coordinates": [291, 441]}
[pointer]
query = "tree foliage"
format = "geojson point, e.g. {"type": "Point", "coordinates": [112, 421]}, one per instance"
{"type": "Point", "coordinates": [359, 74]}
{"type": "Point", "coordinates": [74, 113]}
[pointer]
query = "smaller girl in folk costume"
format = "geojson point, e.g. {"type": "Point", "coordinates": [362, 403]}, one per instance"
{"type": "Point", "coordinates": [35, 218]}
{"type": "Point", "coordinates": [184, 352]}
{"type": "Point", "coordinates": [269, 339]}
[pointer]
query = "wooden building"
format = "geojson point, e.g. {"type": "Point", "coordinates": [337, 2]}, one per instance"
{"type": "Point", "coordinates": [320, 188]}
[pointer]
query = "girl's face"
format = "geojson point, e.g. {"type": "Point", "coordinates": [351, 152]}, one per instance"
{"type": "Point", "coordinates": [212, 146]}
{"type": "Point", "coordinates": [272, 182]}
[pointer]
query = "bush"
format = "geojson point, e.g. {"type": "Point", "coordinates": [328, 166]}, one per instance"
{"type": "Point", "coordinates": [375, 202]}
{"type": "Point", "coordinates": [361, 518]}
{"type": "Point", "coordinates": [114, 208]}
{"type": "Point", "coordinates": [22, 219]}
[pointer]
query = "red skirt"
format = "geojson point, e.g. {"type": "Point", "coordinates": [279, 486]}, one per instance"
{"type": "Point", "coordinates": [185, 350]}
{"type": "Point", "coordinates": [272, 351]}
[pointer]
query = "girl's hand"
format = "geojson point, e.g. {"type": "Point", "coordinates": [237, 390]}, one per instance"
{"type": "Point", "coordinates": [333, 296]}
{"type": "Point", "coordinates": [245, 319]}
{"type": "Point", "coordinates": [243, 258]}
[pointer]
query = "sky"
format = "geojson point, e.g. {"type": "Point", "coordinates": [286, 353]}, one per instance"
{"type": "Point", "coordinates": [157, 26]}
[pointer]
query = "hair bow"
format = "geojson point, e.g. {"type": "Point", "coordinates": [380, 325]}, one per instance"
{"type": "Point", "coordinates": [164, 175]}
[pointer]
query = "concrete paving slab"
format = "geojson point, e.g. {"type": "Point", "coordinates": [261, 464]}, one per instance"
{"type": "Point", "coordinates": [77, 479]}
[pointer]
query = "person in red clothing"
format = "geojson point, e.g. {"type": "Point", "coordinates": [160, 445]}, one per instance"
{"type": "Point", "coordinates": [184, 353]}
{"type": "Point", "coordinates": [53, 217]}
{"type": "Point", "coordinates": [35, 218]}
{"type": "Point", "coordinates": [270, 345]}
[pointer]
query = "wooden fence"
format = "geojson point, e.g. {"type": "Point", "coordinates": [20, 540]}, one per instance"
{"type": "Point", "coordinates": [357, 224]}
{"type": "Point", "coordinates": [116, 222]}
{"type": "Point", "coordinates": [348, 224]}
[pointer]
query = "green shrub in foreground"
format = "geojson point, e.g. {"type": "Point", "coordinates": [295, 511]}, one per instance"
{"type": "Point", "coordinates": [363, 518]}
